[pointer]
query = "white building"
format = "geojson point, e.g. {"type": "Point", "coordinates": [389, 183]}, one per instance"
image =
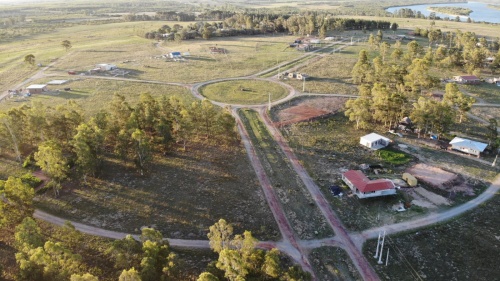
{"type": "Point", "coordinates": [105, 66]}
{"type": "Point", "coordinates": [374, 141]}
{"type": "Point", "coordinates": [468, 146]}
{"type": "Point", "coordinates": [37, 88]}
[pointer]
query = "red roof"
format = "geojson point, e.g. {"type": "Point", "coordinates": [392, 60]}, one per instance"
{"type": "Point", "coordinates": [364, 184]}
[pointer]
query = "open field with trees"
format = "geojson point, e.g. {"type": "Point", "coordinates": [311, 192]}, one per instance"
{"type": "Point", "coordinates": [137, 150]}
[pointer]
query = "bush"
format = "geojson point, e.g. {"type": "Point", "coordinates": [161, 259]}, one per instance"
{"type": "Point", "coordinates": [31, 180]}
{"type": "Point", "coordinates": [394, 157]}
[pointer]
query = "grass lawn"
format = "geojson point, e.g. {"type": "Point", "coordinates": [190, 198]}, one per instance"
{"type": "Point", "coordinates": [183, 194]}
{"type": "Point", "coordinates": [244, 91]}
{"type": "Point", "coordinates": [393, 156]}
{"type": "Point", "coordinates": [330, 74]}
{"type": "Point", "coordinates": [333, 264]}
{"type": "Point", "coordinates": [464, 248]}
{"type": "Point", "coordinates": [297, 203]}
{"type": "Point", "coordinates": [95, 94]}
{"type": "Point", "coordinates": [484, 92]}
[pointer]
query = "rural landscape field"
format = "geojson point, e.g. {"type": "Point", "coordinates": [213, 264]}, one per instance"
{"type": "Point", "coordinates": [249, 140]}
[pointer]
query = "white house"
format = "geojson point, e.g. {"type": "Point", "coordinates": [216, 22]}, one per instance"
{"type": "Point", "coordinates": [468, 146]}
{"type": "Point", "coordinates": [105, 66]}
{"type": "Point", "coordinates": [363, 187]}
{"type": "Point", "coordinates": [37, 88]}
{"type": "Point", "coordinates": [374, 141]}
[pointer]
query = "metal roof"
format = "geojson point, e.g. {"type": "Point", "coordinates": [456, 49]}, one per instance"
{"type": "Point", "coordinates": [475, 145]}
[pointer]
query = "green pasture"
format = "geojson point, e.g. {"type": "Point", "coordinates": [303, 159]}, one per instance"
{"type": "Point", "coordinates": [244, 91]}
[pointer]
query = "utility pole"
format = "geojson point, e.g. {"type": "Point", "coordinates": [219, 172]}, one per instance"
{"type": "Point", "coordinates": [387, 258]}
{"type": "Point", "coordinates": [381, 249]}
{"type": "Point", "coordinates": [303, 84]}
{"type": "Point", "coordinates": [378, 244]}
{"type": "Point", "coordinates": [269, 101]}
{"type": "Point", "coordinates": [494, 161]}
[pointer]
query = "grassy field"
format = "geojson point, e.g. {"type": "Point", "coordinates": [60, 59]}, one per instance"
{"type": "Point", "coordinates": [244, 91]}
{"type": "Point", "coordinates": [93, 95]}
{"type": "Point", "coordinates": [484, 92]}
{"type": "Point", "coordinates": [461, 249]}
{"type": "Point", "coordinates": [297, 203]}
{"type": "Point", "coordinates": [333, 264]}
{"type": "Point", "coordinates": [183, 194]}
{"type": "Point", "coordinates": [486, 112]}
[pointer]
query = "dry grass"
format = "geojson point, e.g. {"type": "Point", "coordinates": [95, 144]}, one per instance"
{"type": "Point", "coordinates": [333, 264]}
{"type": "Point", "coordinates": [244, 91]}
{"type": "Point", "coordinates": [183, 194]}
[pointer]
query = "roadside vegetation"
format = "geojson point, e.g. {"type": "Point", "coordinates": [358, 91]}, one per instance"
{"type": "Point", "coordinates": [333, 264]}
{"type": "Point", "coordinates": [304, 216]}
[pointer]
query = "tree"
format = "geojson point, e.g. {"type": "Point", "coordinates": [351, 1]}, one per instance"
{"type": "Point", "coordinates": [207, 276]}
{"type": "Point", "coordinates": [220, 235]}
{"type": "Point", "coordinates": [51, 160]}
{"type": "Point", "coordinates": [30, 59]}
{"type": "Point", "coordinates": [207, 33]}
{"type": "Point", "coordinates": [66, 45]}
{"type": "Point", "coordinates": [126, 252]}
{"type": "Point", "coordinates": [456, 98]}
{"type": "Point", "coordinates": [359, 110]}
{"type": "Point", "coordinates": [129, 275]}
{"type": "Point", "coordinates": [87, 145]}
{"type": "Point", "coordinates": [233, 264]}
{"type": "Point", "coordinates": [295, 273]}
{"type": "Point", "coordinates": [28, 235]}
{"type": "Point", "coordinates": [142, 150]}
{"type": "Point", "coordinates": [10, 134]}
{"type": "Point", "coordinates": [16, 202]}
{"type": "Point", "coordinates": [384, 49]}
{"type": "Point", "coordinates": [84, 277]}
{"type": "Point", "coordinates": [492, 134]}
{"type": "Point", "coordinates": [422, 114]}
{"type": "Point", "coordinates": [271, 266]}
{"type": "Point", "coordinates": [362, 71]}
{"type": "Point", "coordinates": [394, 27]}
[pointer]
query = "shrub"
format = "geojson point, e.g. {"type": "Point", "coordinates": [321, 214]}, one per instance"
{"type": "Point", "coordinates": [31, 180]}
{"type": "Point", "coordinates": [394, 157]}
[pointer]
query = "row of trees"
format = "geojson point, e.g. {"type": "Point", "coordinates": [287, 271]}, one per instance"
{"type": "Point", "coordinates": [57, 138]}
{"type": "Point", "coordinates": [392, 87]}
{"type": "Point", "coordinates": [240, 260]}
{"type": "Point", "coordinates": [248, 24]}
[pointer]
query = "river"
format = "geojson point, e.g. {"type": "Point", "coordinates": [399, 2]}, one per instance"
{"type": "Point", "coordinates": [480, 11]}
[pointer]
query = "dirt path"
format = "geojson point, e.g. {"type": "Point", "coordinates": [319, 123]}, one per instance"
{"type": "Point", "coordinates": [357, 257]}
{"type": "Point", "coordinates": [432, 218]}
{"type": "Point", "coordinates": [290, 245]}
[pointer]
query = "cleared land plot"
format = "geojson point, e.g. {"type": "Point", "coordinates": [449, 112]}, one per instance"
{"type": "Point", "coordinates": [299, 207]}
{"type": "Point", "coordinates": [432, 175]}
{"type": "Point", "coordinates": [486, 112]}
{"type": "Point", "coordinates": [244, 91]}
{"type": "Point", "coordinates": [95, 94]}
{"type": "Point", "coordinates": [333, 264]}
{"type": "Point", "coordinates": [330, 74]}
{"type": "Point", "coordinates": [462, 249]}
{"type": "Point", "coordinates": [184, 193]}
{"type": "Point", "coordinates": [484, 92]}
{"type": "Point", "coordinates": [308, 109]}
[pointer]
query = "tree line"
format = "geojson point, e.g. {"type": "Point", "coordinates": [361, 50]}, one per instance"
{"type": "Point", "coordinates": [393, 86]}
{"type": "Point", "coordinates": [60, 141]}
{"type": "Point", "coordinates": [63, 253]}
{"type": "Point", "coordinates": [250, 24]}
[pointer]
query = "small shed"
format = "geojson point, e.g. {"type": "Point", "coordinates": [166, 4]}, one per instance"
{"type": "Point", "coordinates": [106, 66]}
{"type": "Point", "coordinates": [410, 179]}
{"type": "Point", "coordinates": [468, 146]}
{"type": "Point", "coordinates": [374, 141]}
{"type": "Point", "coordinates": [37, 88]}
{"type": "Point", "coordinates": [301, 76]}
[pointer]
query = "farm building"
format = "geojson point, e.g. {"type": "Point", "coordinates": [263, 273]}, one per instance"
{"type": "Point", "coordinates": [374, 141]}
{"type": "Point", "coordinates": [468, 146]}
{"type": "Point", "coordinates": [411, 180]}
{"type": "Point", "coordinates": [469, 79]}
{"type": "Point", "coordinates": [363, 187]}
{"type": "Point", "coordinates": [105, 66]}
{"type": "Point", "coordinates": [37, 88]}
{"type": "Point", "coordinates": [57, 82]}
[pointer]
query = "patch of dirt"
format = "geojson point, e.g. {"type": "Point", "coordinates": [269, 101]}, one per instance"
{"type": "Point", "coordinates": [432, 175]}
{"type": "Point", "coordinates": [431, 196]}
{"type": "Point", "coordinates": [310, 109]}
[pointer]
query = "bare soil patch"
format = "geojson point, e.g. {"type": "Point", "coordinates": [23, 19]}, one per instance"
{"type": "Point", "coordinates": [432, 175]}
{"type": "Point", "coordinates": [309, 109]}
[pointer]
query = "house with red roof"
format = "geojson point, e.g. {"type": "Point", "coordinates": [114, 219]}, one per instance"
{"type": "Point", "coordinates": [363, 187]}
